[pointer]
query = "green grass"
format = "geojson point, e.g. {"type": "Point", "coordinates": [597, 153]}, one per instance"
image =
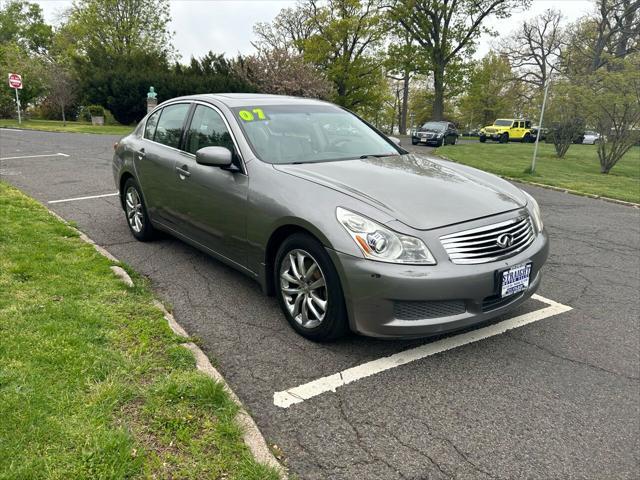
{"type": "Point", "coordinates": [579, 170]}
{"type": "Point", "coordinates": [72, 127]}
{"type": "Point", "coordinates": [93, 383]}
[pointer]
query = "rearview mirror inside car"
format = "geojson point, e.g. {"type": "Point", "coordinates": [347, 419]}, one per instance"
{"type": "Point", "coordinates": [214, 156]}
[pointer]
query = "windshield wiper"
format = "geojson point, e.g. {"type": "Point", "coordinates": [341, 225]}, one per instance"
{"type": "Point", "coordinates": [380, 155]}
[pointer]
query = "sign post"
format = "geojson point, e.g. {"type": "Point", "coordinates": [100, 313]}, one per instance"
{"type": "Point", "coordinates": [15, 82]}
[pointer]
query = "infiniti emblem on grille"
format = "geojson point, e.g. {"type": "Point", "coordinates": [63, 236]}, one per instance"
{"type": "Point", "coordinates": [504, 241]}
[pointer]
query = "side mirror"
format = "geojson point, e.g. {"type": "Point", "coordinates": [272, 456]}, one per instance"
{"type": "Point", "coordinates": [395, 140]}
{"type": "Point", "coordinates": [214, 156]}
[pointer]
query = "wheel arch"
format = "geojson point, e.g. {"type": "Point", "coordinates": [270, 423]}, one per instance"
{"type": "Point", "coordinates": [126, 175]}
{"type": "Point", "coordinates": [277, 237]}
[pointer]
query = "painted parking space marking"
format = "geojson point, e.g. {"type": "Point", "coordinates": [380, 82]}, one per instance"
{"type": "Point", "coordinates": [75, 199]}
{"type": "Point", "coordinates": [36, 156]}
{"type": "Point", "coordinates": [299, 394]}
{"type": "Point", "coordinates": [11, 130]}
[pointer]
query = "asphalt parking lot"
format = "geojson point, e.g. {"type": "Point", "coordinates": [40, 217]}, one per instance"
{"type": "Point", "coordinates": [557, 397]}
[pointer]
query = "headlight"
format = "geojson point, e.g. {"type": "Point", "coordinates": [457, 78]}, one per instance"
{"type": "Point", "coordinates": [535, 210]}
{"type": "Point", "coordinates": [379, 243]}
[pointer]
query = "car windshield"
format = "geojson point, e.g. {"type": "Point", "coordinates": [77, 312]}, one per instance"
{"type": "Point", "coordinates": [309, 133]}
{"type": "Point", "coordinates": [434, 126]}
{"type": "Point", "coordinates": [503, 123]}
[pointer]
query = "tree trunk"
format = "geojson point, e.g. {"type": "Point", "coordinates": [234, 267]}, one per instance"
{"type": "Point", "coordinates": [405, 104]}
{"type": "Point", "coordinates": [64, 119]}
{"type": "Point", "coordinates": [438, 90]}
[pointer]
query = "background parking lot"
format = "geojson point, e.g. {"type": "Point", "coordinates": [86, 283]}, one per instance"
{"type": "Point", "coordinates": [557, 398]}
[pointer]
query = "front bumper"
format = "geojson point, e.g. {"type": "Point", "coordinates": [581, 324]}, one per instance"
{"type": "Point", "coordinates": [491, 136]}
{"type": "Point", "coordinates": [466, 294]}
{"type": "Point", "coordinates": [426, 140]}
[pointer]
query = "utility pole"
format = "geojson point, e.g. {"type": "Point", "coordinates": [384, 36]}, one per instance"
{"type": "Point", "coordinates": [544, 103]}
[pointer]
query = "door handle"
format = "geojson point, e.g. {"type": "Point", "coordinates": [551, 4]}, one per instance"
{"type": "Point", "coordinates": [183, 172]}
{"type": "Point", "coordinates": [141, 154]}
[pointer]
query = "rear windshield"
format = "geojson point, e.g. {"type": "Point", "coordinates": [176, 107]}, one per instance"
{"type": "Point", "coordinates": [309, 133]}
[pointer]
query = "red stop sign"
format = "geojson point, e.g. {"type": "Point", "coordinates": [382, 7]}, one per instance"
{"type": "Point", "coordinates": [15, 80]}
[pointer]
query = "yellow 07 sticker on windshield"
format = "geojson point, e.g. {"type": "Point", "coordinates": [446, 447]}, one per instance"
{"type": "Point", "coordinates": [251, 115]}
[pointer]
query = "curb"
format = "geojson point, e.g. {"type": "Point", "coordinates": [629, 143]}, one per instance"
{"type": "Point", "coordinates": [252, 437]}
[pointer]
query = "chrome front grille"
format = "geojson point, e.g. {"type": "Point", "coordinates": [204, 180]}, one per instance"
{"type": "Point", "coordinates": [489, 243]}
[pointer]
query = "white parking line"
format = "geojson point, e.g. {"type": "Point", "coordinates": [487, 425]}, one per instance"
{"type": "Point", "coordinates": [314, 388]}
{"type": "Point", "coordinates": [10, 130]}
{"type": "Point", "coordinates": [36, 156]}
{"type": "Point", "coordinates": [83, 198]}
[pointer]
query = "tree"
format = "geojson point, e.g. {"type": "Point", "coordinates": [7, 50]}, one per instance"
{"type": "Point", "coordinates": [289, 30]}
{"type": "Point", "coordinates": [402, 63]}
{"type": "Point", "coordinates": [566, 115]}
{"type": "Point", "coordinates": [534, 49]}
{"type": "Point", "coordinates": [120, 28]}
{"type": "Point", "coordinates": [345, 45]}
{"type": "Point", "coordinates": [119, 48]}
{"type": "Point", "coordinates": [491, 92]}
{"type": "Point", "coordinates": [14, 59]}
{"type": "Point", "coordinates": [62, 88]}
{"type": "Point", "coordinates": [447, 31]}
{"type": "Point", "coordinates": [22, 23]}
{"type": "Point", "coordinates": [602, 57]}
{"type": "Point", "coordinates": [280, 71]}
{"type": "Point", "coordinates": [614, 107]}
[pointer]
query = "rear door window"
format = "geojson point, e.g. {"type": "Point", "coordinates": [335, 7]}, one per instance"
{"type": "Point", "coordinates": [170, 125]}
{"type": "Point", "coordinates": [152, 122]}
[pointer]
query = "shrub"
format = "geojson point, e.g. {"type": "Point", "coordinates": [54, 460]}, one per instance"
{"type": "Point", "coordinates": [563, 134]}
{"type": "Point", "coordinates": [96, 110]}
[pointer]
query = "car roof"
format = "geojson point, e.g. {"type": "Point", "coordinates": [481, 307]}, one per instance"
{"type": "Point", "coordinates": [252, 99]}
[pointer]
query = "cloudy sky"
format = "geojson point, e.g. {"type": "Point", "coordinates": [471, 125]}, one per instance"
{"type": "Point", "coordinates": [226, 25]}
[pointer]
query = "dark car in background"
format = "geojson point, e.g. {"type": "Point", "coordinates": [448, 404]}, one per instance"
{"type": "Point", "coordinates": [435, 133]}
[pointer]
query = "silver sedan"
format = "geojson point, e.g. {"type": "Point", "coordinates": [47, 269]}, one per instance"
{"type": "Point", "coordinates": [347, 229]}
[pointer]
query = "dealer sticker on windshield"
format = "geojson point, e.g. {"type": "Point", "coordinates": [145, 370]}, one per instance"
{"type": "Point", "coordinates": [515, 280]}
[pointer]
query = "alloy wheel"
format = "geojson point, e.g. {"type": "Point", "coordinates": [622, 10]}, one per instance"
{"type": "Point", "coordinates": [303, 288]}
{"type": "Point", "coordinates": [133, 206]}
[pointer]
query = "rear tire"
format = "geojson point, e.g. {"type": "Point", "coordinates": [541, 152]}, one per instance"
{"type": "Point", "coordinates": [527, 138]}
{"type": "Point", "coordinates": [319, 313]}
{"type": "Point", "coordinates": [136, 212]}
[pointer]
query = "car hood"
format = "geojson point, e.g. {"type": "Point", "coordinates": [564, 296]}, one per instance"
{"type": "Point", "coordinates": [419, 191]}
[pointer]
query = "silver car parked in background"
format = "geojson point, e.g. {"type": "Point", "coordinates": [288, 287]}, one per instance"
{"type": "Point", "coordinates": [348, 230]}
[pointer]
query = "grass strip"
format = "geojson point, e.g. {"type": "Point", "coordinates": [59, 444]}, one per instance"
{"type": "Point", "coordinates": [70, 127]}
{"type": "Point", "coordinates": [579, 170]}
{"type": "Point", "coordinates": [93, 383]}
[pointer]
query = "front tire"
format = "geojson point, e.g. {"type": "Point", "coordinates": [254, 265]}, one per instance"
{"type": "Point", "coordinates": [483, 139]}
{"type": "Point", "coordinates": [136, 212]}
{"type": "Point", "coordinates": [309, 290]}
{"type": "Point", "coordinates": [504, 138]}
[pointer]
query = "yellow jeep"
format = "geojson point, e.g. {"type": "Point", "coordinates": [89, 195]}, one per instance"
{"type": "Point", "coordinates": [504, 130]}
